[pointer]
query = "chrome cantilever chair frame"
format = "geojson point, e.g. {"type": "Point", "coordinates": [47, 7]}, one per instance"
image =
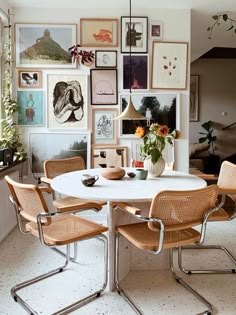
{"type": "Point", "coordinates": [225, 185]}
{"type": "Point", "coordinates": [136, 213]}
{"type": "Point", "coordinates": [40, 219]}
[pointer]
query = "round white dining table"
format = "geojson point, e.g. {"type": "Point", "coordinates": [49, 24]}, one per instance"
{"type": "Point", "coordinates": [126, 189]}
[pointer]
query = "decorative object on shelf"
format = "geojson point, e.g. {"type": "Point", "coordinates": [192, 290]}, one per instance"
{"type": "Point", "coordinates": [81, 56]}
{"type": "Point", "coordinates": [218, 18]}
{"type": "Point", "coordinates": [169, 65]}
{"type": "Point", "coordinates": [154, 142]}
{"type": "Point", "coordinates": [10, 137]}
{"type": "Point", "coordinates": [113, 173]}
{"type": "Point", "coordinates": [130, 113]}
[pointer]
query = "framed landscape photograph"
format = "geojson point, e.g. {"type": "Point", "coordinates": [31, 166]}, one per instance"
{"type": "Point", "coordinates": [158, 108]}
{"type": "Point", "coordinates": [104, 127]}
{"type": "Point", "coordinates": [30, 108]}
{"type": "Point", "coordinates": [169, 65]}
{"type": "Point", "coordinates": [155, 30]}
{"type": "Point", "coordinates": [193, 99]}
{"type": "Point", "coordinates": [134, 35]}
{"type": "Point", "coordinates": [105, 58]}
{"type": "Point", "coordinates": [67, 101]}
{"type": "Point", "coordinates": [98, 32]}
{"type": "Point", "coordinates": [135, 72]}
{"type": "Point", "coordinates": [57, 146]}
{"type": "Point", "coordinates": [29, 79]}
{"type": "Point", "coordinates": [103, 85]}
{"type": "Point", "coordinates": [109, 156]}
{"type": "Point", "coordinates": [44, 45]}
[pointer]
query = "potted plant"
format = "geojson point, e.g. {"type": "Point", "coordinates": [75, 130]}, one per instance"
{"type": "Point", "coordinates": [212, 162]}
{"type": "Point", "coordinates": [10, 137]}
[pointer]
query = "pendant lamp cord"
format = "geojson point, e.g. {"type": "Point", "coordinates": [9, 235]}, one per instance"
{"type": "Point", "coordinates": [130, 72]}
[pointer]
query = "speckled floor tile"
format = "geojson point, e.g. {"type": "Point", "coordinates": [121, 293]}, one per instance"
{"type": "Point", "coordinates": [155, 291]}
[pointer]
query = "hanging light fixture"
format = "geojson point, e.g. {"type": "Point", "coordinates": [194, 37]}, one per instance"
{"type": "Point", "coordinates": [130, 113]}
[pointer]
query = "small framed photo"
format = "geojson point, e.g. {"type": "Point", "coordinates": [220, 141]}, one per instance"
{"type": "Point", "coordinates": [135, 72]}
{"type": "Point", "coordinates": [29, 79]}
{"type": "Point", "coordinates": [155, 30]}
{"type": "Point", "coordinates": [44, 45]}
{"type": "Point", "coordinates": [193, 101]}
{"type": "Point", "coordinates": [98, 32]}
{"type": "Point", "coordinates": [134, 35]}
{"type": "Point", "coordinates": [104, 127]}
{"type": "Point", "coordinates": [109, 156]}
{"type": "Point", "coordinates": [103, 84]}
{"type": "Point", "coordinates": [105, 58]}
{"type": "Point", "coordinates": [30, 108]}
{"type": "Point", "coordinates": [169, 65]}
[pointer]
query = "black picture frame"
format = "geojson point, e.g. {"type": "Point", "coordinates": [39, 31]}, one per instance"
{"type": "Point", "coordinates": [139, 34]}
{"type": "Point", "coordinates": [103, 87]}
{"type": "Point", "coordinates": [105, 58]}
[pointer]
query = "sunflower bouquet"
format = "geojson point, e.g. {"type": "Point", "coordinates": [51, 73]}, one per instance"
{"type": "Point", "coordinates": [155, 140]}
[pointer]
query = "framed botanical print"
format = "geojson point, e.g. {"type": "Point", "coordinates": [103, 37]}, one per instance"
{"type": "Point", "coordinates": [103, 85]}
{"type": "Point", "coordinates": [104, 127]}
{"type": "Point", "coordinates": [105, 58]}
{"type": "Point", "coordinates": [169, 65]}
{"type": "Point", "coordinates": [193, 99]}
{"type": "Point", "coordinates": [134, 36]}
{"type": "Point", "coordinates": [44, 45]}
{"type": "Point", "coordinates": [98, 32]}
{"type": "Point", "coordinates": [157, 108]}
{"type": "Point", "coordinates": [67, 101]}
{"type": "Point", "coordinates": [30, 108]}
{"type": "Point", "coordinates": [57, 145]}
{"type": "Point", "coordinates": [135, 72]}
{"type": "Point", "coordinates": [29, 79]}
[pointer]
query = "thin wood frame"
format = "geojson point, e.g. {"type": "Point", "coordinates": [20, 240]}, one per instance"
{"type": "Point", "coordinates": [98, 32]}
{"type": "Point", "coordinates": [29, 79]}
{"type": "Point", "coordinates": [169, 65]}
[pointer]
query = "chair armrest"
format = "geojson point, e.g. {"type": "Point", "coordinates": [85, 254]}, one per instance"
{"type": "Point", "coordinates": [46, 180]}
{"type": "Point", "coordinates": [127, 207]}
{"type": "Point", "coordinates": [46, 189]}
{"type": "Point", "coordinates": [227, 191]}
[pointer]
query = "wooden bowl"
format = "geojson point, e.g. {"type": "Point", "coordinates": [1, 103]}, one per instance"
{"type": "Point", "coordinates": [113, 173]}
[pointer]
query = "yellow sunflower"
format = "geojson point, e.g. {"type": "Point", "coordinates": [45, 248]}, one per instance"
{"type": "Point", "coordinates": [139, 132]}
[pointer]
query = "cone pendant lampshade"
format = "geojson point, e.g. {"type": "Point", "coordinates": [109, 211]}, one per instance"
{"type": "Point", "coordinates": [130, 112]}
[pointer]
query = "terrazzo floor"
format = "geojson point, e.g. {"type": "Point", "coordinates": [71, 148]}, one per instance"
{"type": "Point", "coordinates": [22, 257]}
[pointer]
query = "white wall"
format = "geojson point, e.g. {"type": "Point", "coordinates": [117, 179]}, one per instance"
{"type": "Point", "coordinates": [217, 94]}
{"type": "Point", "coordinates": [176, 27]}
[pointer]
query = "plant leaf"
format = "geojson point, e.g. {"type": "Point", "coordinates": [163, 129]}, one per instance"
{"type": "Point", "coordinates": [230, 28]}
{"type": "Point", "coordinates": [215, 17]}
{"type": "Point", "coordinates": [225, 17]}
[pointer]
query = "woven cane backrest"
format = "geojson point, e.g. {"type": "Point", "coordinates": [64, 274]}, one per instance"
{"type": "Point", "coordinates": [183, 208]}
{"type": "Point", "coordinates": [54, 168]}
{"type": "Point", "coordinates": [227, 178]}
{"type": "Point", "coordinates": [28, 200]}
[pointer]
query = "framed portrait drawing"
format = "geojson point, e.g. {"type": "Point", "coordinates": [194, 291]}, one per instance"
{"type": "Point", "coordinates": [155, 30]}
{"type": "Point", "coordinates": [158, 108]}
{"type": "Point", "coordinates": [108, 156]}
{"type": "Point", "coordinates": [135, 72]}
{"type": "Point", "coordinates": [30, 108]}
{"type": "Point", "coordinates": [105, 58]}
{"type": "Point", "coordinates": [134, 35]}
{"type": "Point", "coordinates": [103, 85]}
{"type": "Point", "coordinates": [44, 45]}
{"type": "Point", "coordinates": [98, 32]}
{"type": "Point", "coordinates": [169, 65]}
{"type": "Point", "coordinates": [104, 127]}
{"type": "Point", "coordinates": [57, 146]}
{"type": "Point", "coordinates": [67, 101]}
{"type": "Point", "coordinates": [29, 79]}
{"type": "Point", "coordinates": [193, 98]}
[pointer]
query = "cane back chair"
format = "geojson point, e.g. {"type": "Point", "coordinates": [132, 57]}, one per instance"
{"type": "Point", "coordinates": [170, 222]}
{"type": "Point", "coordinates": [52, 229]}
{"type": "Point", "coordinates": [227, 188]}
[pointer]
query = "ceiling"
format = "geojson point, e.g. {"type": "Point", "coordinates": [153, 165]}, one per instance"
{"type": "Point", "coordinates": [206, 5]}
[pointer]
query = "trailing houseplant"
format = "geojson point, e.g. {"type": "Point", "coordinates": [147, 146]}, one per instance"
{"type": "Point", "coordinates": [10, 136]}
{"type": "Point", "coordinates": [217, 21]}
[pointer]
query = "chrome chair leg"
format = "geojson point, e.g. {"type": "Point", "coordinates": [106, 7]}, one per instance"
{"type": "Point", "coordinates": [119, 289]}
{"type": "Point", "coordinates": [72, 258]}
{"type": "Point", "coordinates": [205, 271]}
{"type": "Point", "coordinates": [209, 310]}
{"type": "Point", "coordinates": [70, 307]}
